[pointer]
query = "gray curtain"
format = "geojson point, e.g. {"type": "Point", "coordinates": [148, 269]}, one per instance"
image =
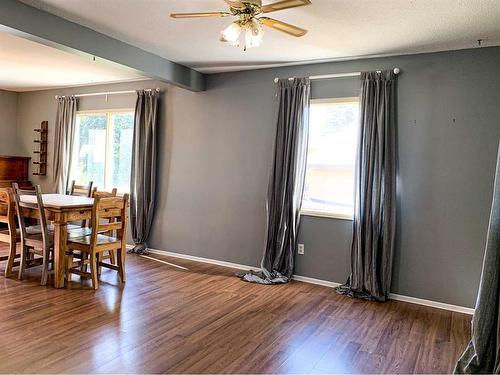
{"type": "Point", "coordinates": [63, 141]}
{"type": "Point", "coordinates": [143, 172]}
{"type": "Point", "coordinates": [374, 223]}
{"type": "Point", "coordinates": [286, 182]}
{"type": "Point", "coordinates": [483, 352]}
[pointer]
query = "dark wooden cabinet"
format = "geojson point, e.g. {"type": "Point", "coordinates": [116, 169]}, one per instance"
{"type": "Point", "coordinates": [14, 169]}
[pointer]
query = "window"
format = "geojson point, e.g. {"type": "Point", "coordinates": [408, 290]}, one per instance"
{"type": "Point", "coordinates": [329, 184]}
{"type": "Point", "coordinates": [102, 151]}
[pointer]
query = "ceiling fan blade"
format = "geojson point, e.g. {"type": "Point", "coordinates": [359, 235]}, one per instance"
{"type": "Point", "coordinates": [235, 4]}
{"type": "Point", "coordinates": [283, 26]}
{"type": "Point", "coordinates": [284, 4]}
{"type": "Point", "coordinates": [200, 15]}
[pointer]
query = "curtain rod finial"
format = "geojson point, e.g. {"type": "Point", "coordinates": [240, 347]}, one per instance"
{"type": "Point", "coordinates": [397, 70]}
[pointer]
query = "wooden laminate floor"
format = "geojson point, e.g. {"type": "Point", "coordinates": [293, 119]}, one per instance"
{"type": "Point", "coordinates": [202, 319]}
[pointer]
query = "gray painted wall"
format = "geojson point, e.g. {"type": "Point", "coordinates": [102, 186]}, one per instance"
{"type": "Point", "coordinates": [216, 150]}
{"type": "Point", "coordinates": [8, 118]}
{"type": "Point", "coordinates": [37, 106]}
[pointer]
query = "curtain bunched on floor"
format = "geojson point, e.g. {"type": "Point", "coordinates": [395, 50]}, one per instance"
{"type": "Point", "coordinates": [374, 223]}
{"type": "Point", "coordinates": [143, 171]}
{"type": "Point", "coordinates": [63, 141]}
{"type": "Point", "coordinates": [483, 352]}
{"type": "Point", "coordinates": [286, 182]}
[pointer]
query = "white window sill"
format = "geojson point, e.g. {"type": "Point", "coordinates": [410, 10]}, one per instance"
{"type": "Point", "coordinates": [328, 215]}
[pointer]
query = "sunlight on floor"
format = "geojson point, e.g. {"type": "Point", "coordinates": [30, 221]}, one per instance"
{"type": "Point", "coordinates": [162, 261]}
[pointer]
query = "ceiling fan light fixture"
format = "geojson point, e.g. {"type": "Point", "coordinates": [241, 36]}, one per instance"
{"type": "Point", "coordinates": [232, 33]}
{"type": "Point", "coordinates": [250, 22]}
{"type": "Point", "coordinates": [254, 33]}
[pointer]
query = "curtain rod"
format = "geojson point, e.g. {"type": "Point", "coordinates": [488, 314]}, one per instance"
{"type": "Point", "coordinates": [338, 75]}
{"type": "Point", "coordinates": [107, 93]}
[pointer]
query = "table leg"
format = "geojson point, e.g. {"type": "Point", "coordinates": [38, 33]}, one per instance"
{"type": "Point", "coordinates": [60, 238]}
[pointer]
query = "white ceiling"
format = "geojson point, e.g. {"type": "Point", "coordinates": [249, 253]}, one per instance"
{"type": "Point", "coordinates": [27, 65]}
{"type": "Point", "coordinates": [338, 29]}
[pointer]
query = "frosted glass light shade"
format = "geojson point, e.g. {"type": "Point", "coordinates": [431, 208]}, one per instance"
{"type": "Point", "coordinates": [232, 33]}
{"type": "Point", "coordinates": [254, 34]}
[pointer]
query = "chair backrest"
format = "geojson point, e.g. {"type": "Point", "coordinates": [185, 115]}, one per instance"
{"type": "Point", "coordinates": [7, 212]}
{"type": "Point", "coordinates": [103, 194]}
{"type": "Point", "coordinates": [32, 209]}
{"type": "Point", "coordinates": [81, 190]}
{"type": "Point", "coordinates": [109, 215]}
{"type": "Point", "coordinates": [6, 205]}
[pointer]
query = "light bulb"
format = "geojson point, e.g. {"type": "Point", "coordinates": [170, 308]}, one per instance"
{"type": "Point", "coordinates": [232, 33]}
{"type": "Point", "coordinates": [254, 34]}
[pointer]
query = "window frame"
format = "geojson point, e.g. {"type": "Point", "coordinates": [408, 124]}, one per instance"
{"type": "Point", "coordinates": [108, 113]}
{"type": "Point", "coordinates": [331, 214]}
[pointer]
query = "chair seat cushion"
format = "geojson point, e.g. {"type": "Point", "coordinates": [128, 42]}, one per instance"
{"type": "Point", "coordinates": [7, 232]}
{"type": "Point", "coordinates": [101, 240]}
{"type": "Point", "coordinates": [34, 229]}
{"type": "Point", "coordinates": [37, 238]}
{"type": "Point", "coordinates": [38, 228]}
{"type": "Point", "coordinates": [50, 227]}
{"type": "Point", "coordinates": [72, 227]}
{"type": "Point", "coordinates": [79, 232]}
{"type": "Point", "coordinates": [33, 236]}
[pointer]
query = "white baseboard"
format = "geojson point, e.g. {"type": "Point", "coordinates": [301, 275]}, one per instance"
{"type": "Point", "coordinates": [395, 297]}
{"type": "Point", "coordinates": [435, 304]}
{"type": "Point", "coordinates": [310, 280]}
{"type": "Point", "coordinates": [202, 260]}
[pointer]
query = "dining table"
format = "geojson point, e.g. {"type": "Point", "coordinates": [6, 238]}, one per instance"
{"type": "Point", "coordinates": [61, 210]}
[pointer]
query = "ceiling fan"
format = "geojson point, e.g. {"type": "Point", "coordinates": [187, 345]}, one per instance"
{"type": "Point", "coordinates": [248, 22]}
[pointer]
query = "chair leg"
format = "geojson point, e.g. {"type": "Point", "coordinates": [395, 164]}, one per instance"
{"type": "Point", "coordinates": [93, 270]}
{"type": "Point", "coordinates": [69, 264]}
{"type": "Point", "coordinates": [121, 264]}
{"type": "Point", "coordinates": [112, 257]}
{"type": "Point", "coordinates": [12, 257]}
{"type": "Point", "coordinates": [22, 262]}
{"type": "Point", "coordinates": [83, 266]}
{"type": "Point", "coordinates": [99, 260]}
{"type": "Point", "coordinates": [45, 267]}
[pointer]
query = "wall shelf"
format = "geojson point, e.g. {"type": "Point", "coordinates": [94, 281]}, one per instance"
{"type": "Point", "coordinates": [41, 163]}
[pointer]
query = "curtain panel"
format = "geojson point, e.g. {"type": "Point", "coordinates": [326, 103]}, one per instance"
{"type": "Point", "coordinates": [482, 355]}
{"type": "Point", "coordinates": [144, 168]}
{"type": "Point", "coordinates": [374, 224]}
{"type": "Point", "coordinates": [286, 182]}
{"type": "Point", "coordinates": [63, 141]}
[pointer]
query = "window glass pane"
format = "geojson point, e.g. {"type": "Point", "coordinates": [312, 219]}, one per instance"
{"type": "Point", "coordinates": [329, 185]}
{"type": "Point", "coordinates": [89, 155]}
{"type": "Point", "coordinates": [121, 151]}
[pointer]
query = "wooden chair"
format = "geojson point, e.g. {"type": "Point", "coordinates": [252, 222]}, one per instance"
{"type": "Point", "coordinates": [87, 231]}
{"type": "Point", "coordinates": [113, 209]}
{"type": "Point", "coordinates": [111, 253]}
{"type": "Point", "coordinates": [81, 190]}
{"type": "Point", "coordinates": [103, 194]}
{"type": "Point", "coordinates": [9, 235]}
{"type": "Point", "coordinates": [39, 243]}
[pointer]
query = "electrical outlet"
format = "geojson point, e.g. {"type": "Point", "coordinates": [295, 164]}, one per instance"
{"type": "Point", "coordinates": [300, 249]}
